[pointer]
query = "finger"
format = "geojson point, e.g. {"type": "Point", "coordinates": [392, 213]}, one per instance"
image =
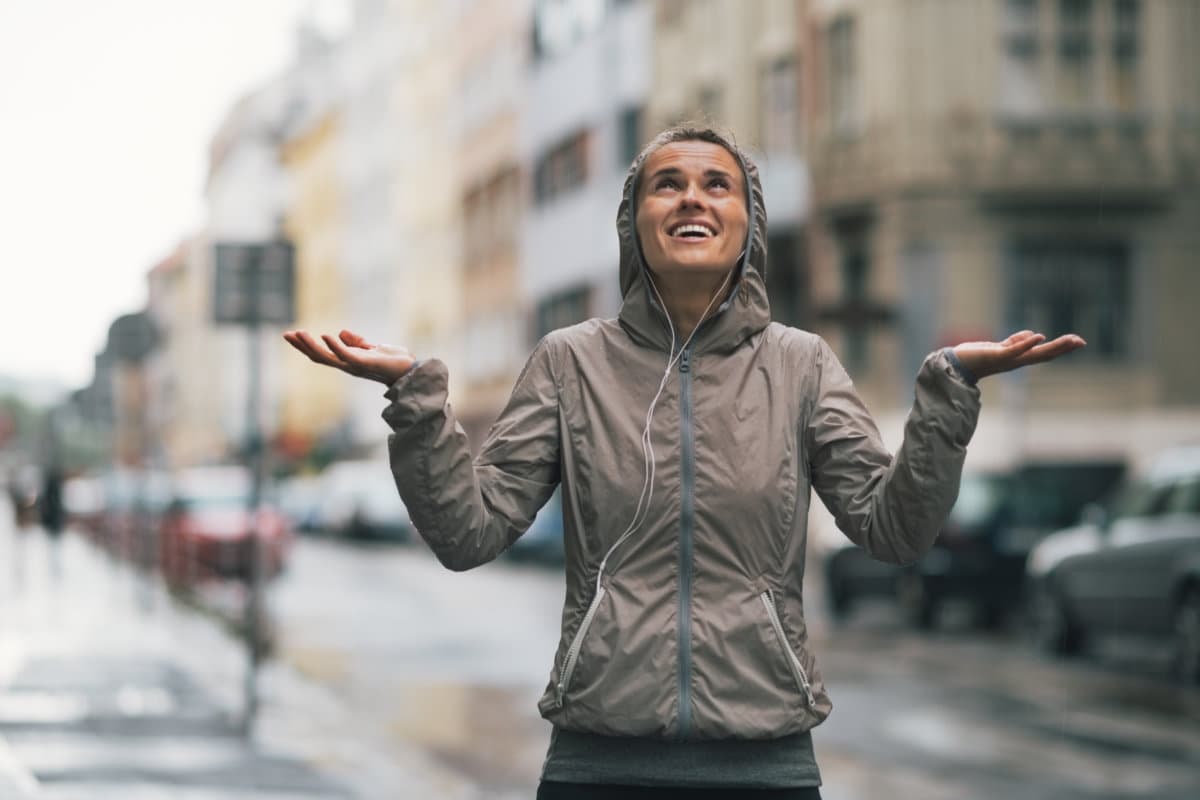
{"type": "Point", "coordinates": [1024, 344]}
{"type": "Point", "coordinates": [1054, 349]}
{"type": "Point", "coordinates": [1019, 335]}
{"type": "Point", "coordinates": [341, 351]}
{"type": "Point", "coordinates": [316, 352]}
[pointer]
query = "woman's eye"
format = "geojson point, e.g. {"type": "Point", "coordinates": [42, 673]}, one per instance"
{"type": "Point", "coordinates": [667, 183]}
{"type": "Point", "coordinates": [719, 183]}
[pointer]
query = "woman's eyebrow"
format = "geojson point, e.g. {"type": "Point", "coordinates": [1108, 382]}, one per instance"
{"type": "Point", "coordinates": [676, 172]}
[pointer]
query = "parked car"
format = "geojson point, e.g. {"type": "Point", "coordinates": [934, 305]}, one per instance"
{"type": "Point", "coordinates": [543, 541]}
{"type": "Point", "coordinates": [359, 500]}
{"type": "Point", "coordinates": [979, 555]}
{"type": "Point", "coordinates": [1132, 569]}
{"type": "Point", "coordinates": [208, 528]}
{"type": "Point", "coordinates": [300, 501]}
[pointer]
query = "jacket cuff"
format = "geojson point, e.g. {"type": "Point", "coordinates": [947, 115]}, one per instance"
{"type": "Point", "coordinates": [959, 367]}
{"type": "Point", "coordinates": [419, 391]}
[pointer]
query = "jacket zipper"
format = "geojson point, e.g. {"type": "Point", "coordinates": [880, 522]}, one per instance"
{"type": "Point", "coordinates": [686, 522]}
{"type": "Point", "coordinates": [798, 673]}
{"type": "Point", "coordinates": [568, 668]}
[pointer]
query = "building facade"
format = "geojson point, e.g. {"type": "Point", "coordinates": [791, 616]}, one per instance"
{"type": "Point", "coordinates": [983, 166]}
{"type": "Point", "coordinates": [587, 89]}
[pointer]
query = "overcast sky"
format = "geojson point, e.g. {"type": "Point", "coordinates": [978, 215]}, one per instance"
{"type": "Point", "coordinates": [106, 109]}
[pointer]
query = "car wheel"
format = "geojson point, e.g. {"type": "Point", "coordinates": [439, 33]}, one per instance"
{"type": "Point", "coordinates": [1051, 626]}
{"type": "Point", "coordinates": [918, 603]}
{"type": "Point", "coordinates": [1187, 636]}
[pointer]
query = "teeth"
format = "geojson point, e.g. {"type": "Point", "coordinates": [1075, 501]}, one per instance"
{"type": "Point", "coordinates": [683, 229]}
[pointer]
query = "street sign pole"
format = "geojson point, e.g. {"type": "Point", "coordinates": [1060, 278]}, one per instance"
{"type": "Point", "coordinates": [254, 286]}
{"type": "Point", "coordinates": [254, 601]}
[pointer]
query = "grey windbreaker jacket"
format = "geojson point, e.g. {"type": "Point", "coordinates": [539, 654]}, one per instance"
{"type": "Point", "coordinates": [696, 628]}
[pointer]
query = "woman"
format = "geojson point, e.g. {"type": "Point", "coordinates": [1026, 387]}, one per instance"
{"type": "Point", "coordinates": [687, 434]}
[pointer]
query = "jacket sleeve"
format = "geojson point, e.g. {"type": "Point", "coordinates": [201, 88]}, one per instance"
{"type": "Point", "coordinates": [469, 511]}
{"type": "Point", "coordinates": [893, 506]}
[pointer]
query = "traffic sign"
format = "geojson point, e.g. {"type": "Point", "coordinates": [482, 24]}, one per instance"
{"type": "Point", "coordinates": [255, 283]}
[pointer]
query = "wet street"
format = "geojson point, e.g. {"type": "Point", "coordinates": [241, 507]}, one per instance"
{"type": "Point", "coordinates": [450, 665]}
{"type": "Point", "coordinates": [395, 678]}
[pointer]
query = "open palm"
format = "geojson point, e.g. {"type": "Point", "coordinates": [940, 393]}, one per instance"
{"type": "Point", "coordinates": [354, 355]}
{"type": "Point", "coordinates": [1019, 350]}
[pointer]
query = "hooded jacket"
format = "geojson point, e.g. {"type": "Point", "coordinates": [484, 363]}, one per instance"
{"type": "Point", "coordinates": [696, 629]}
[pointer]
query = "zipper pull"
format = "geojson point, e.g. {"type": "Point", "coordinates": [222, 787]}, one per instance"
{"type": "Point", "coordinates": [685, 361]}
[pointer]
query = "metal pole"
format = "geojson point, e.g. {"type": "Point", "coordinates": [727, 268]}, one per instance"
{"type": "Point", "coordinates": [253, 621]}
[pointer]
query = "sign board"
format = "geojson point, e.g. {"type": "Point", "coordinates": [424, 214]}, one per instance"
{"type": "Point", "coordinates": [255, 283]}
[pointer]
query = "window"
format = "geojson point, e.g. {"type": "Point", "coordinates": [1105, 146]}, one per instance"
{"type": "Point", "coordinates": [629, 135]}
{"type": "Point", "coordinates": [562, 168]}
{"type": "Point", "coordinates": [778, 103]}
{"type": "Point", "coordinates": [1076, 64]}
{"type": "Point", "coordinates": [563, 308]}
{"type": "Point", "coordinates": [1123, 84]}
{"type": "Point", "coordinates": [1021, 92]}
{"type": "Point", "coordinates": [1062, 288]}
{"type": "Point", "coordinates": [843, 77]}
{"type": "Point", "coordinates": [1083, 59]}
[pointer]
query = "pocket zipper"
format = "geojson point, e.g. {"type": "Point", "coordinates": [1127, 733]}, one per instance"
{"type": "Point", "coordinates": [564, 677]}
{"type": "Point", "coordinates": [798, 672]}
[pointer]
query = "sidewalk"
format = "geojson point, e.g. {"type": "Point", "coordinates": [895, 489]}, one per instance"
{"type": "Point", "coordinates": [110, 690]}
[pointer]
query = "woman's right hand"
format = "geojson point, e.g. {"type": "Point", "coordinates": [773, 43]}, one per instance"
{"type": "Point", "coordinates": [354, 355]}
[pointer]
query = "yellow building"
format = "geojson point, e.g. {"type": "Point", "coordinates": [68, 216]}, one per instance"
{"type": "Point", "coordinates": [313, 402]}
{"type": "Point", "coordinates": [492, 59]}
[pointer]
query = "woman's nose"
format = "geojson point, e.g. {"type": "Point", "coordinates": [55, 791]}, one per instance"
{"type": "Point", "coordinates": [690, 196]}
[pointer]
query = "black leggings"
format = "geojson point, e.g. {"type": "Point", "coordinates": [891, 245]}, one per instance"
{"type": "Point", "coordinates": [553, 790]}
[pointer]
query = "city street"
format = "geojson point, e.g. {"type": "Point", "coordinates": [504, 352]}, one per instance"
{"type": "Point", "coordinates": [452, 664]}
{"type": "Point", "coordinates": [396, 678]}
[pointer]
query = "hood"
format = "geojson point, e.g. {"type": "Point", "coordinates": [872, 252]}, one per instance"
{"type": "Point", "coordinates": [744, 313]}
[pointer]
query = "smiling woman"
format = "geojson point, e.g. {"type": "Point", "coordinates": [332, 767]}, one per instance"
{"type": "Point", "coordinates": [684, 668]}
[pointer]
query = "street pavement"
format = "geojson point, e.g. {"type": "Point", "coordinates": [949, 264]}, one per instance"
{"type": "Point", "coordinates": [394, 678]}
{"type": "Point", "coordinates": [104, 692]}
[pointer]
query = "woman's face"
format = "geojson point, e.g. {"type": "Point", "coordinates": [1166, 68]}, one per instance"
{"type": "Point", "coordinates": [691, 211]}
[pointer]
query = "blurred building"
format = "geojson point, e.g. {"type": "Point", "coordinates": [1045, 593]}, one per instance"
{"type": "Point", "coordinates": [183, 411]}
{"type": "Point", "coordinates": [428, 202]}
{"type": "Point", "coordinates": [737, 65]}
{"type": "Point", "coordinates": [246, 196]}
{"type": "Point", "coordinates": [982, 166]}
{"type": "Point", "coordinates": [374, 251]}
{"type": "Point", "coordinates": [586, 98]}
{"type": "Point", "coordinates": [314, 402]}
{"type": "Point", "coordinates": [492, 59]}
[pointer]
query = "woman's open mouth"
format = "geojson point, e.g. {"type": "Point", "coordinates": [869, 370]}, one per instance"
{"type": "Point", "coordinates": [692, 231]}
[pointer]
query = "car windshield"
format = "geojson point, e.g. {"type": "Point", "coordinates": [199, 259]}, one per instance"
{"type": "Point", "coordinates": [979, 498]}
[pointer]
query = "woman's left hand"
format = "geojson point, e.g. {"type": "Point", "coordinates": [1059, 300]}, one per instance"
{"type": "Point", "coordinates": [1019, 350]}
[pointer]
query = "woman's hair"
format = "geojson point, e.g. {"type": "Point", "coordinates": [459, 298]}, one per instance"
{"type": "Point", "coordinates": [688, 132]}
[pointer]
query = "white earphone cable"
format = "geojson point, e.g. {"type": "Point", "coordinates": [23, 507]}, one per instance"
{"type": "Point", "coordinates": [648, 465]}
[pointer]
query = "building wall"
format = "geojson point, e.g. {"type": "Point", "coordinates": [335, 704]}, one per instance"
{"type": "Point", "coordinates": [580, 86]}
{"type": "Point", "coordinates": [313, 402]}
{"type": "Point", "coordinates": [951, 182]}
{"type": "Point", "coordinates": [492, 59]}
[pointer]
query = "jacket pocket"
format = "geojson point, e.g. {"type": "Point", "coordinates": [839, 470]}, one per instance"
{"type": "Point", "coordinates": [572, 658]}
{"type": "Point", "coordinates": [797, 669]}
